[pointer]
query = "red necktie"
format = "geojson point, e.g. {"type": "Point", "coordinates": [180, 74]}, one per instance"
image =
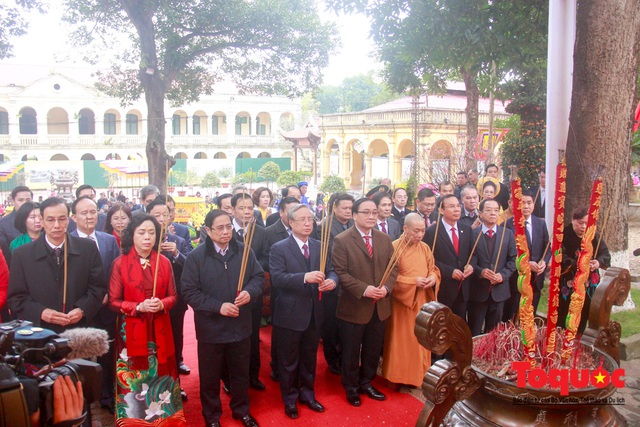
{"type": "Point", "coordinates": [305, 251]}
{"type": "Point", "coordinates": [383, 226]}
{"type": "Point", "coordinates": [490, 233]}
{"type": "Point", "coordinates": [426, 221]}
{"type": "Point", "coordinates": [454, 239]}
{"type": "Point", "coordinates": [369, 247]}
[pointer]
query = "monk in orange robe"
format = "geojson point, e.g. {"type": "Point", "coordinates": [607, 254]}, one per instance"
{"type": "Point", "coordinates": [405, 361]}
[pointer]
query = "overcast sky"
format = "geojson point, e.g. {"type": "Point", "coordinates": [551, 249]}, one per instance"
{"type": "Point", "coordinates": [46, 45]}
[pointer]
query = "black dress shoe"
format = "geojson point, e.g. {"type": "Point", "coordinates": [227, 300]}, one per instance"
{"type": "Point", "coordinates": [372, 393]}
{"type": "Point", "coordinates": [226, 388]}
{"type": "Point", "coordinates": [247, 420]}
{"type": "Point", "coordinates": [314, 405]}
{"type": "Point", "coordinates": [335, 368]}
{"type": "Point", "coordinates": [256, 384]}
{"type": "Point", "coordinates": [353, 398]}
{"type": "Point", "coordinates": [275, 376]}
{"type": "Point", "coordinates": [183, 369]}
{"type": "Point", "coordinates": [291, 411]}
{"type": "Point", "coordinates": [183, 394]}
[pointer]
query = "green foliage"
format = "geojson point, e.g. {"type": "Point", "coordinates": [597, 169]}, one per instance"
{"type": "Point", "coordinates": [356, 93]}
{"type": "Point", "coordinates": [225, 173]}
{"type": "Point", "coordinates": [210, 180]}
{"type": "Point", "coordinates": [635, 149]}
{"type": "Point", "coordinates": [182, 178]}
{"type": "Point", "coordinates": [333, 184]}
{"type": "Point", "coordinates": [14, 24]}
{"type": "Point", "coordinates": [269, 172]}
{"type": "Point", "coordinates": [411, 186]}
{"type": "Point", "coordinates": [247, 177]}
{"type": "Point", "coordinates": [289, 178]}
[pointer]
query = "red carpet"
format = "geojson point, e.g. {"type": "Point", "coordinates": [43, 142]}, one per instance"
{"type": "Point", "coordinates": [266, 406]}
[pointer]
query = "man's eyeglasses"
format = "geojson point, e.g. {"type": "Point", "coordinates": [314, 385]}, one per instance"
{"type": "Point", "coordinates": [368, 213]}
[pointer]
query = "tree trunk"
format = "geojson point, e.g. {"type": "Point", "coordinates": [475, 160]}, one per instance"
{"type": "Point", "coordinates": [471, 112]}
{"type": "Point", "coordinates": [604, 83]}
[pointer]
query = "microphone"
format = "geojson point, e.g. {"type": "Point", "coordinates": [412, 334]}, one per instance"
{"type": "Point", "coordinates": [86, 343]}
{"type": "Point", "coordinates": [636, 252]}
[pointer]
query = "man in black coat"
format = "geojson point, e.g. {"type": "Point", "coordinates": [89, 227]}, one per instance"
{"type": "Point", "coordinates": [222, 316]}
{"type": "Point", "coordinates": [276, 232]}
{"type": "Point", "coordinates": [298, 276]}
{"type": "Point", "coordinates": [36, 282]}
{"type": "Point", "coordinates": [537, 241]}
{"type": "Point", "coordinates": [290, 191]}
{"type": "Point", "coordinates": [469, 198]}
{"type": "Point", "coordinates": [242, 216]}
{"type": "Point", "coordinates": [540, 194]}
{"type": "Point", "coordinates": [399, 209]}
{"type": "Point", "coordinates": [493, 261]}
{"type": "Point", "coordinates": [455, 272]}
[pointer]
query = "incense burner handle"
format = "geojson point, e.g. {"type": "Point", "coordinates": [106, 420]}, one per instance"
{"type": "Point", "coordinates": [602, 332]}
{"type": "Point", "coordinates": [451, 379]}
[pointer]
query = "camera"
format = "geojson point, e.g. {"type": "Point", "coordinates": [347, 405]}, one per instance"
{"type": "Point", "coordinates": [33, 355]}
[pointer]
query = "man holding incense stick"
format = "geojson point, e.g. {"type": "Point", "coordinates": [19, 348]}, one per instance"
{"type": "Point", "coordinates": [222, 315]}
{"type": "Point", "coordinates": [297, 274]}
{"type": "Point", "coordinates": [38, 291]}
{"type": "Point", "coordinates": [493, 261]}
{"type": "Point", "coordinates": [360, 256]}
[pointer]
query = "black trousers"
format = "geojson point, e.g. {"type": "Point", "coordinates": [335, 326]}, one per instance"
{"type": "Point", "coordinates": [254, 359]}
{"type": "Point", "coordinates": [176, 314]}
{"type": "Point", "coordinates": [488, 312]}
{"type": "Point", "coordinates": [361, 349]}
{"type": "Point", "coordinates": [210, 358]}
{"type": "Point", "coordinates": [331, 346]}
{"type": "Point", "coordinates": [297, 352]}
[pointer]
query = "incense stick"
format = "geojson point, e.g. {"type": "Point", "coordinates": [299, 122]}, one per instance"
{"type": "Point", "coordinates": [544, 254]}
{"type": "Point", "coordinates": [495, 267]}
{"type": "Point", "coordinates": [166, 198]}
{"type": "Point", "coordinates": [65, 276]}
{"type": "Point", "coordinates": [395, 257]}
{"type": "Point", "coordinates": [248, 239]}
{"type": "Point", "coordinates": [469, 260]}
{"type": "Point", "coordinates": [606, 220]}
{"type": "Point", "coordinates": [435, 236]}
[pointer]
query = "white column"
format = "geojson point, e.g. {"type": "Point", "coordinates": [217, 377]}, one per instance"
{"type": "Point", "coordinates": [562, 34]}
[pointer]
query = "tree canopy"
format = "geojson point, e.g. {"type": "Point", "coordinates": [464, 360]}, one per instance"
{"type": "Point", "coordinates": [355, 93]}
{"type": "Point", "coordinates": [14, 24]}
{"type": "Point", "coordinates": [177, 50]}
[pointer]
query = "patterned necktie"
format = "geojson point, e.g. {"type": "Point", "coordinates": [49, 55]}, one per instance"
{"type": "Point", "coordinates": [58, 253]}
{"type": "Point", "coordinates": [305, 251]}
{"type": "Point", "coordinates": [369, 247]}
{"type": "Point", "coordinates": [383, 226]}
{"type": "Point", "coordinates": [454, 239]}
{"type": "Point", "coordinates": [427, 223]}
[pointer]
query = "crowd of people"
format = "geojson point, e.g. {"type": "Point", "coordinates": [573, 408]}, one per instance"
{"type": "Point", "coordinates": [134, 272]}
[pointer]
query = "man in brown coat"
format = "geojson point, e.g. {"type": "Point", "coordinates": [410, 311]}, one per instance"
{"type": "Point", "coordinates": [360, 256]}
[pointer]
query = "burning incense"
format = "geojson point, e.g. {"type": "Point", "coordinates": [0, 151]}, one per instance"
{"type": "Point", "coordinates": [248, 238]}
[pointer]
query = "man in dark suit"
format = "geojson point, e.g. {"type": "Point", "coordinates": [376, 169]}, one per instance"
{"type": "Point", "coordinates": [340, 205]}
{"type": "Point", "coordinates": [86, 190]}
{"type": "Point", "coordinates": [276, 232]}
{"type": "Point", "coordinates": [290, 191]}
{"type": "Point", "coordinates": [461, 181]}
{"type": "Point", "coordinates": [85, 214]}
{"type": "Point", "coordinates": [540, 194]}
{"type": "Point", "coordinates": [360, 257]}
{"type": "Point", "coordinates": [36, 281]}
{"type": "Point", "coordinates": [176, 250]}
{"type": "Point", "coordinates": [242, 216]}
{"type": "Point", "coordinates": [222, 316]}
{"type": "Point", "coordinates": [8, 231]}
{"type": "Point", "coordinates": [426, 206]}
{"type": "Point", "coordinates": [385, 223]}
{"type": "Point", "coordinates": [399, 209]}
{"type": "Point", "coordinates": [537, 240]}
{"type": "Point", "coordinates": [470, 199]}
{"type": "Point", "coordinates": [148, 194]}
{"type": "Point", "coordinates": [451, 250]}
{"type": "Point", "coordinates": [494, 261]}
{"type": "Point", "coordinates": [298, 276]}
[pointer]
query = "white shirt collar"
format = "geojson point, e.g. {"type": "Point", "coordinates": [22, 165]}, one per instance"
{"type": "Point", "coordinates": [218, 248]}
{"type": "Point", "coordinates": [485, 229]}
{"type": "Point", "coordinates": [300, 242]}
{"type": "Point", "coordinates": [51, 245]}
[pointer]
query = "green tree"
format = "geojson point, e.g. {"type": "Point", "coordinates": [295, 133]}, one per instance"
{"type": "Point", "coordinates": [288, 178]}
{"type": "Point", "coordinates": [424, 43]}
{"type": "Point", "coordinates": [14, 24]}
{"type": "Point", "coordinates": [210, 180]}
{"type": "Point", "coordinates": [333, 184]}
{"type": "Point", "coordinates": [270, 172]}
{"type": "Point", "coordinates": [179, 49]}
{"type": "Point", "coordinates": [355, 93]}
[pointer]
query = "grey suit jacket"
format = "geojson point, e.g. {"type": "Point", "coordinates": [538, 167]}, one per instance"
{"type": "Point", "coordinates": [394, 229]}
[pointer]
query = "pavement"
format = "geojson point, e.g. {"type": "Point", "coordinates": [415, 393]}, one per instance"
{"type": "Point", "coordinates": [631, 392]}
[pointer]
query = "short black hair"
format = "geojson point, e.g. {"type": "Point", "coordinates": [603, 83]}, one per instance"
{"type": "Point", "coordinates": [357, 203]}
{"type": "Point", "coordinates": [158, 201]}
{"type": "Point", "coordinates": [336, 198]}
{"type": "Point", "coordinates": [84, 187]}
{"type": "Point", "coordinates": [234, 199]}
{"type": "Point", "coordinates": [580, 213]}
{"type": "Point", "coordinates": [490, 165]}
{"type": "Point", "coordinates": [462, 173]}
{"type": "Point", "coordinates": [377, 198]}
{"type": "Point", "coordinates": [221, 197]}
{"type": "Point", "coordinates": [136, 221]}
{"type": "Point", "coordinates": [20, 189]}
{"type": "Point", "coordinates": [424, 193]}
{"type": "Point", "coordinates": [395, 190]}
{"type": "Point", "coordinates": [443, 198]}
{"type": "Point", "coordinates": [76, 201]}
{"type": "Point", "coordinates": [212, 215]}
{"type": "Point", "coordinates": [287, 201]}
{"type": "Point", "coordinates": [285, 190]}
{"type": "Point", "coordinates": [20, 221]}
{"type": "Point", "coordinates": [52, 201]}
{"type": "Point", "coordinates": [444, 183]}
{"type": "Point", "coordinates": [527, 192]}
{"type": "Point", "coordinates": [485, 201]}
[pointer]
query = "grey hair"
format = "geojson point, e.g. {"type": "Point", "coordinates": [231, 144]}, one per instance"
{"type": "Point", "coordinates": [148, 189]}
{"type": "Point", "coordinates": [466, 189]}
{"type": "Point", "coordinates": [291, 214]}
